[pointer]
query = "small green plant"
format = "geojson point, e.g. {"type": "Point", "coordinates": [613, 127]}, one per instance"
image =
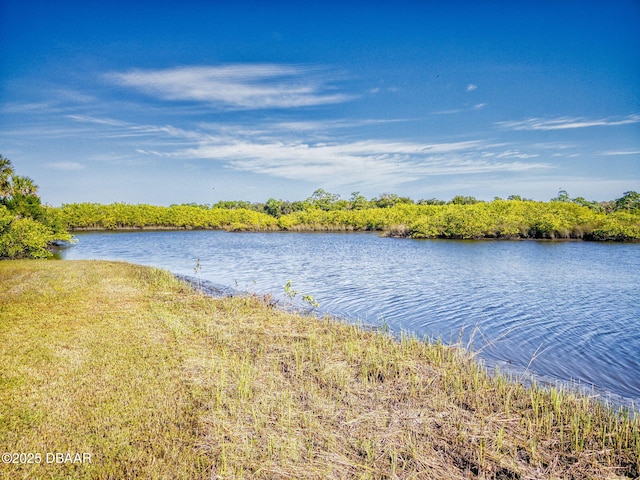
{"type": "Point", "coordinates": [290, 293]}
{"type": "Point", "coordinates": [384, 326]}
{"type": "Point", "coordinates": [196, 272]}
{"type": "Point", "coordinates": [310, 300]}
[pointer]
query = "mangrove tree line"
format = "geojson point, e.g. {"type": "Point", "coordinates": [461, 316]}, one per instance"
{"type": "Point", "coordinates": [462, 217]}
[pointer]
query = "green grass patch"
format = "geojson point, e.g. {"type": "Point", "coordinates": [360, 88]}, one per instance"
{"type": "Point", "coordinates": [155, 380]}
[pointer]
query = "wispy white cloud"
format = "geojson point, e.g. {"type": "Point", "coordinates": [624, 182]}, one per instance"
{"type": "Point", "coordinates": [296, 151]}
{"type": "Point", "coordinates": [471, 87]}
{"type": "Point", "coordinates": [516, 154]}
{"type": "Point", "coordinates": [68, 166]}
{"type": "Point", "coordinates": [376, 90]}
{"type": "Point", "coordinates": [110, 122]}
{"type": "Point", "coordinates": [325, 125]}
{"type": "Point", "coordinates": [28, 107]}
{"type": "Point", "coordinates": [242, 86]}
{"type": "Point", "coordinates": [370, 162]}
{"type": "Point", "coordinates": [564, 123]}
{"type": "Point", "coordinates": [73, 96]}
{"type": "Point", "coordinates": [122, 129]}
{"type": "Point", "coordinates": [448, 112]}
{"type": "Point", "coordinates": [622, 152]}
{"type": "Point", "coordinates": [477, 106]}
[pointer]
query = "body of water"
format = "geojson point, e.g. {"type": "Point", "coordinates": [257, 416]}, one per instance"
{"type": "Point", "coordinates": [565, 311]}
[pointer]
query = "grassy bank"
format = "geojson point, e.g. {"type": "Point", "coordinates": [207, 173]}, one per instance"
{"type": "Point", "coordinates": [155, 380]}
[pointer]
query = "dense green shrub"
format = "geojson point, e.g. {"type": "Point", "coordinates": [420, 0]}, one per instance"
{"type": "Point", "coordinates": [496, 219]}
{"type": "Point", "coordinates": [93, 216]}
{"type": "Point", "coordinates": [461, 218]}
{"type": "Point", "coordinates": [27, 228]}
{"type": "Point", "coordinates": [23, 237]}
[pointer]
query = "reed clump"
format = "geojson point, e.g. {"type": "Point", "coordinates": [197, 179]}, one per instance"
{"type": "Point", "coordinates": [156, 380]}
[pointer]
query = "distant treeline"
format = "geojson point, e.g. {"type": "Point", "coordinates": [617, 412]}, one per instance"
{"type": "Point", "coordinates": [462, 217]}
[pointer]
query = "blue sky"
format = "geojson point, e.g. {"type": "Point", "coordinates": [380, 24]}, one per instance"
{"type": "Point", "coordinates": [178, 102]}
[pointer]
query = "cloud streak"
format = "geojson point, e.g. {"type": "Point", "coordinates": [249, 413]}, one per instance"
{"type": "Point", "coordinates": [365, 162]}
{"type": "Point", "coordinates": [290, 151]}
{"type": "Point", "coordinates": [242, 86]}
{"type": "Point", "coordinates": [65, 166]}
{"type": "Point", "coordinates": [565, 123]}
{"type": "Point", "coordinates": [622, 152]}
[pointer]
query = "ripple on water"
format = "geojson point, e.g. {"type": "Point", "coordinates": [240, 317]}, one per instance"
{"type": "Point", "coordinates": [563, 310]}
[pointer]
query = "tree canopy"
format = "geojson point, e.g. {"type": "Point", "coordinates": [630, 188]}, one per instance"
{"type": "Point", "coordinates": [27, 228]}
{"type": "Point", "coordinates": [462, 217]}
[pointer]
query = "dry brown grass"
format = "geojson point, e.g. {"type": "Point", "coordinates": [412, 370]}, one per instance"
{"type": "Point", "coordinates": [156, 380]}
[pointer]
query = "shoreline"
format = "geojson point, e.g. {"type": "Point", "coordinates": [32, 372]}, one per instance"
{"type": "Point", "coordinates": [156, 379]}
{"type": "Point", "coordinates": [386, 233]}
{"type": "Point", "coordinates": [519, 374]}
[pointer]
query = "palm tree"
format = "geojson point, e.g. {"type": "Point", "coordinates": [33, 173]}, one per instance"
{"type": "Point", "coordinates": [23, 186]}
{"type": "Point", "coordinates": [6, 172]}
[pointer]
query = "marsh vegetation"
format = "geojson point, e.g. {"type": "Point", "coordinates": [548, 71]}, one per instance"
{"type": "Point", "coordinates": [157, 380]}
{"type": "Point", "coordinates": [574, 302]}
{"type": "Point", "coordinates": [460, 218]}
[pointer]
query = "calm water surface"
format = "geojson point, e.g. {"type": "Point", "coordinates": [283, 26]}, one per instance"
{"type": "Point", "coordinates": [566, 311]}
